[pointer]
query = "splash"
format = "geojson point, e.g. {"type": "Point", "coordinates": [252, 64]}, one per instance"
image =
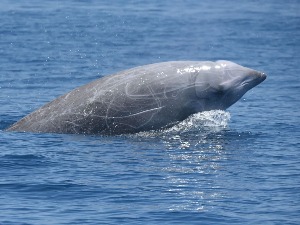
{"type": "Point", "coordinates": [214, 120]}
{"type": "Point", "coordinates": [203, 122]}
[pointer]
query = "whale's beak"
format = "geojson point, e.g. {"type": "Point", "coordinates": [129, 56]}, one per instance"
{"type": "Point", "coordinates": [251, 79]}
{"type": "Point", "coordinates": [263, 76]}
{"type": "Point", "coordinates": [259, 76]}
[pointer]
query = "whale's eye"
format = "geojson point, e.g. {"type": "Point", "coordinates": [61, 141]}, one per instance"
{"type": "Point", "coordinates": [218, 93]}
{"type": "Point", "coordinates": [219, 90]}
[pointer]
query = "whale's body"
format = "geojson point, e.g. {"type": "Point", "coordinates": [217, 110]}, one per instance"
{"type": "Point", "coordinates": [143, 98]}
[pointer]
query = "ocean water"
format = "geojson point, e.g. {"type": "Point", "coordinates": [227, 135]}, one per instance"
{"type": "Point", "coordinates": [241, 166]}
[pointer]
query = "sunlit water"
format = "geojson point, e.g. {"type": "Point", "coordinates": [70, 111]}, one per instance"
{"type": "Point", "coordinates": [241, 166]}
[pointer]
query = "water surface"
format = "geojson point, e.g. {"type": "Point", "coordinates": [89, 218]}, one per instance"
{"type": "Point", "coordinates": [234, 167]}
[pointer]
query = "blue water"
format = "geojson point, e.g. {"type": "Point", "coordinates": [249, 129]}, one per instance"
{"type": "Point", "coordinates": [236, 167]}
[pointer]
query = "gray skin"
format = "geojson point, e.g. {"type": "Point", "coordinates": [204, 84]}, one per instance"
{"type": "Point", "coordinates": [144, 98]}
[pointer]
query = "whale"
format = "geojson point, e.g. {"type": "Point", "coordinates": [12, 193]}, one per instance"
{"type": "Point", "coordinates": [149, 97]}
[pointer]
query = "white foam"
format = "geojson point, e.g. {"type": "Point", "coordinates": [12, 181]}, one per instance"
{"type": "Point", "coordinates": [214, 120]}
{"type": "Point", "coordinates": [203, 122]}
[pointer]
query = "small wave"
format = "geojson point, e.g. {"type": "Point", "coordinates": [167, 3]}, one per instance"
{"type": "Point", "coordinates": [5, 124]}
{"type": "Point", "coordinates": [17, 161]}
{"type": "Point", "coordinates": [23, 157]}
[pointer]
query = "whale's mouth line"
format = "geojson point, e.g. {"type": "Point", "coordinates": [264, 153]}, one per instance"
{"type": "Point", "coordinates": [260, 78]}
{"type": "Point", "coordinates": [244, 83]}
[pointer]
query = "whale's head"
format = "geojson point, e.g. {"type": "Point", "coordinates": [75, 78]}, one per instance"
{"type": "Point", "coordinates": [219, 85]}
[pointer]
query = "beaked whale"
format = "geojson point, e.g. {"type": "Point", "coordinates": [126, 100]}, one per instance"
{"type": "Point", "coordinates": [143, 98]}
